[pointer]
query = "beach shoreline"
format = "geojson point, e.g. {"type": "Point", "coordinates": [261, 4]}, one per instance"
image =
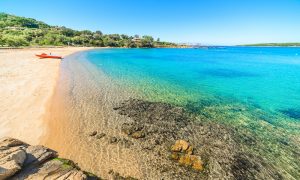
{"type": "Point", "coordinates": [26, 86]}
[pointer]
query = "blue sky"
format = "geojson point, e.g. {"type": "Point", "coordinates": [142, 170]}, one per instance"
{"type": "Point", "coordinates": [205, 21]}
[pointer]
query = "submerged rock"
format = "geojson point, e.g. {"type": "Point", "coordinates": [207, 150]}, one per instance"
{"type": "Point", "coordinates": [93, 133]}
{"type": "Point", "coordinates": [101, 135]}
{"type": "Point", "coordinates": [180, 146]}
{"type": "Point", "coordinates": [113, 140]}
{"type": "Point", "coordinates": [165, 149]}
{"type": "Point", "coordinates": [182, 152]}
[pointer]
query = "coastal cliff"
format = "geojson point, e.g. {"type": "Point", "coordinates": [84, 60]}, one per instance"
{"type": "Point", "coordinates": [19, 160]}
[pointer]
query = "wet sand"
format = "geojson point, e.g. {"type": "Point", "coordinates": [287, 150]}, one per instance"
{"type": "Point", "coordinates": [82, 103]}
{"type": "Point", "coordinates": [26, 86]}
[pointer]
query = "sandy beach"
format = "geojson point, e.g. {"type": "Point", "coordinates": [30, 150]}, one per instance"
{"type": "Point", "coordinates": [27, 84]}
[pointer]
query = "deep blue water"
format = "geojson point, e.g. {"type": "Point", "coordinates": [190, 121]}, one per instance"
{"type": "Point", "coordinates": [266, 77]}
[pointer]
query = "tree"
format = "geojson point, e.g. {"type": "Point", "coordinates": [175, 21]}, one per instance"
{"type": "Point", "coordinates": [147, 41]}
{"type": "Point", "coordinates": [99, 33]}
{"type": "Point", "coordinates": [21, 31]}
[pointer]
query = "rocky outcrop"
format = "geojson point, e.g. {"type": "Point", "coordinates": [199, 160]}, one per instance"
{"type": "Point", "coordinates": [179, 146]}
{"type": "Point", "coordinates": [182, 152]}
{"type": "Point", "coordinates": [19, 160]}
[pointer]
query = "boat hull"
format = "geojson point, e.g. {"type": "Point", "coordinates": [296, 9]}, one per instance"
{"type": "Point", "coordinates": [48, 56]}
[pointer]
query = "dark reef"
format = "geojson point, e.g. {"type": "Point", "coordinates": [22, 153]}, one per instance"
{"type": "Point", "coordinates": [157, 126]}
{"type": "Point", "coordinates": [293, 113]}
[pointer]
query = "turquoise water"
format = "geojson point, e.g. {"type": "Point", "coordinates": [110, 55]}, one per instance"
{"type": "Point", "coordinates": [265, 77]}
{"type": "Point", "coordinates": [252, 91]}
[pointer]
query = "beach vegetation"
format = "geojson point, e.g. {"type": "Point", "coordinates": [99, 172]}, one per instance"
{"type": "Point", "coordinates": [18, 31]}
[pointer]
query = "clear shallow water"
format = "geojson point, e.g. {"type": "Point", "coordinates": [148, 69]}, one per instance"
{"type": "Point", "coordinates": [251, 90]}
{"type": "Point", "coordinates": [254, 90]}
{"type": "Point", "coordinates": [266, 77]}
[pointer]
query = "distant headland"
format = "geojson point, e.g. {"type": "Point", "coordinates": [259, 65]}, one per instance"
{"type": "Point", "coordinates": [274, 44]}
{"type": "Point", "coordinates": [16, 31]}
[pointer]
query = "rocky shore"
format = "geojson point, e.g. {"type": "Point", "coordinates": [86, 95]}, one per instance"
{"type": "Point", "coordinates": [19, 161]}
{"type": "Point", "coordinates": [168, 141]}
{"type": "Point", "coordinates": [177, 145]}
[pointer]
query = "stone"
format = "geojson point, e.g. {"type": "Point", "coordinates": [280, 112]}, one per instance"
{"type": "Point", "coordinates": [175, 156]}
{"type": "Point", "coordinates": [12, 162]}
{"type": "Point", "coordinates": [93, 133]}
{"type": "Point", "coordinates": [113, 140]}
{"type": "Point", "coordinates": [197, 165]}
{"type": "Point", "coordinates": [101, 135]}
{"type": "Point", "coordinates": [192, 161]}
{"type": "Point", "coordinates": [53, 169]}
{"type": "Point", "coordinates": [19, 160]}
{"type": "Point", "coordinates": [180, 146]}
{"type": "Point", "coordinates": [190, 150]}
{"type": "Point", "coordinates": [138, 134]}
{"type": "Point", "coordinates": [197, 122]}
{"type": "Point", "coordinates": [38, 154]}
{"type": "Point", "coordinates": [185, 160]}
{"type": "Point", "coordinates": [10, 142]}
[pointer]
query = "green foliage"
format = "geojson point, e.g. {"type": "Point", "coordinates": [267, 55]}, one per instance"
{"type": "Point", "coordinates": [18, 31]}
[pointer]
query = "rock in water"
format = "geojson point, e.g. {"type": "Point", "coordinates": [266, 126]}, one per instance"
{"type": "Point", "coordinates": [93, 133]}
{"type": "Point", "coordinates": [101, 135]}
{"type": "Point", "coordinates": [138, 134]}
{"type": "Point", "coordinates": [180, 146]}
{"type": "Point", "coordinates": [182, 152]}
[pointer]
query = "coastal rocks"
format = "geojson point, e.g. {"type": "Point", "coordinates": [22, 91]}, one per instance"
{"type": "Point", "coordinates": [117, 176]}
{"type": "Point", "coordinates": [113, 140]}
{"type": "Point", "coordinates": [19, 160]}
{"type": "Point", "coordinates": [12, 156]}
{"type": "Point", "coordinates": [166, 154]}
{"type": "Point", "coordinates": [182, 152]}
{"type": "Point", "coordinates": [11, 162]}
{"type": "Point", "coordinates": [92, 133]}
{"type": "Point", "coordinates": [52, 169]}
{"type": "Point", "coordinates": [133, 130]}
{"type": "Point", "coordinates": [101, 135]}
{"type": "Point", "coordinates": [38, 154]}
{"type": "Point", "coordinates": [181, 146]}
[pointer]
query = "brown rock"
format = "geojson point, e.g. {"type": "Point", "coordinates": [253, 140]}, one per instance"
{"type": "Point", "coordinates": [191, 160]}
{"type": "Point", "coordinates": [113, 140]}
{"type": "Point", "coordinates": [175, 156]}
{"type": "Point", "coordinates": [180, 146]}
{"type": "Point", "coordinates": [138, 134]}
{"type": "Point", "coordinates": [12, 162]}
{"type": "Point", "coordinates": [185, 160]}
{"type": "Point", "coordinates": [101, 135]}
{"type": "Point", "coordinates": [197, 165]}
{"type": "Point", "coordinates": [190, 150]}
{"type": "Point", "coordinates": [38, 154]}
{"type": "Point", "coordinates": [93, 133]}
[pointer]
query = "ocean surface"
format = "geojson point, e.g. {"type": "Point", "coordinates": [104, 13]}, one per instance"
{"type": "Point", "coordinates": [253, 89]}
{"type": "Point", "coordinates": [268, 78]}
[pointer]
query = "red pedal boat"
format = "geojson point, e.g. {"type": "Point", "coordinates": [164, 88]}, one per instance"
{"type": "Point", "coordinates": [44, 55]}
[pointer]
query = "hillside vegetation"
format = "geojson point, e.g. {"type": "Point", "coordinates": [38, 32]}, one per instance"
{"type": "Point", "coordinates": [18, 31]}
